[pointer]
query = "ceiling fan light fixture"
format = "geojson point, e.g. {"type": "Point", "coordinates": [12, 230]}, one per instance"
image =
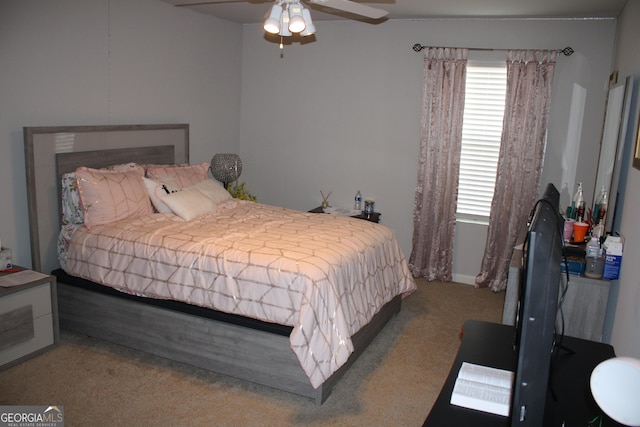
{"type": "Point", "coordinates": [309, 27]}
{"type": "Point", "coordinates": [296, 21]}
{"type": "Point", "coordinates": [284, 24]}
{"type": "Point", "coordinates": [272, 23]}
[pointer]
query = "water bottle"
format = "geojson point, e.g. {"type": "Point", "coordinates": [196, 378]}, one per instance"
{"type": "Point", "coordinates": [594, 260]}
{"type": "Point", "coordinates": [358, 202]}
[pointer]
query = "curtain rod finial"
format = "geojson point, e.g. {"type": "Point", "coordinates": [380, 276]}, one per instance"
{"type": "Point", "coordinates": [417, 47]}
{"type": "Point", "coordinates": [567, 51]}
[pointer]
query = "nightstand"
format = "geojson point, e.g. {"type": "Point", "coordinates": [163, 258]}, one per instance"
{"type": "Point", "coordinates": [28, 319]}
{"type": "Point", "coordinates": [374, 217]}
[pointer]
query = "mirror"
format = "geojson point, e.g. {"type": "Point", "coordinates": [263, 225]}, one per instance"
{"type": "Point", "coordinates": [609, 146]}
{"type": "Point", "coordinates": [622, 112]}
{"type": "Point", "coordinates": [636, 152]}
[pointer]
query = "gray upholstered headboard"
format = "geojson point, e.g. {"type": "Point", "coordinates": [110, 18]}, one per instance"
{"type": "Point", "coordinates": [53, 151]}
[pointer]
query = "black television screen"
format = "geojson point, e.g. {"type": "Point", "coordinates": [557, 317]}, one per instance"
{"type": "Point", "coordinates": [537, 308]}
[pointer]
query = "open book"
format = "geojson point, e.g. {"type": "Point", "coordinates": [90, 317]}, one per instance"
{"type": "Point", "coordinates": [483, 388]}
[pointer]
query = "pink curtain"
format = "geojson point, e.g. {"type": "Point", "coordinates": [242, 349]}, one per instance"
{"type": "Point", "coordinates": [439, 162]}
{"type": "Point", "coordinates": [529, 81]}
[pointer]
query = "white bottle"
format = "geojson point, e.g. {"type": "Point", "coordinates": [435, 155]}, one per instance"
{"type": "Point", "coordinates": [578, 200]}
{"type": "Point", "coordinates": [358, 201]}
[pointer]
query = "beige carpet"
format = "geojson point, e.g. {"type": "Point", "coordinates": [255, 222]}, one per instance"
{"type": "Point", "coordinates": [394, 383]}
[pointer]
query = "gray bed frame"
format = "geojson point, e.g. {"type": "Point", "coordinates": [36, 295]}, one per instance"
{"type": "Point", "coordinates": [246, 353]}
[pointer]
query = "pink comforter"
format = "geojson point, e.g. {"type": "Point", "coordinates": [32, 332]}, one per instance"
{"type": "Point", "coordinates": [324, 275]}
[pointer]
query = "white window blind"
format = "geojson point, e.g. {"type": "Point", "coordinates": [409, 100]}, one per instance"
{"type": "Point", "coordinates": [481, 132]}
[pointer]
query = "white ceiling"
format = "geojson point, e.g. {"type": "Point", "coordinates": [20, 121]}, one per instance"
{"type": "Point", "coordinates": [253, 11]}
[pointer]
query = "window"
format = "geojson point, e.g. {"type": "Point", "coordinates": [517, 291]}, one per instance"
{"type": "Point", "coordinates": [481, 132]}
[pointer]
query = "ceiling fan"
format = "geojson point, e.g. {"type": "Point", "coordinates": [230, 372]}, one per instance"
{"type": "Point", "coordinates": [287, 17]}
{"type": "Point", "coordinates": [352, 7]}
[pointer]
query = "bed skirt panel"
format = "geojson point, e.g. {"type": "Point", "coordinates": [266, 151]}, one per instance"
{"type": "Point", "coordinates": [239, 351]}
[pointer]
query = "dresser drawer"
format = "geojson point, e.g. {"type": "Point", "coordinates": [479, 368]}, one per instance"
{"type": "Point", "coordinates": [26, 322]}
{"type": "Point", "coordinates": [16, 326]}
{"type": "Point", "coordinates": [42, 337]}
{"type": "Point", "coordinates": [38, 297]}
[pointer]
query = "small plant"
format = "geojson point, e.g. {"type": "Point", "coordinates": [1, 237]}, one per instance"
{"type": "Point", "coordinates": [239, 192]}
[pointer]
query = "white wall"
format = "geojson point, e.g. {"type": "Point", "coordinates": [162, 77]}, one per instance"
{"type": "Point", "coordinates": [95, 62]}
{"type": "Point", "coordinates": [343, 113]}
{"type": "Point", "coordinates": [338, 114]}
{"type": "Point", "coordinates": [626, 334]}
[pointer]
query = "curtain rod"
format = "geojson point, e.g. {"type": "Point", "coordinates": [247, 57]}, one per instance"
{"type": "Point", "coordinates": [567, 51]}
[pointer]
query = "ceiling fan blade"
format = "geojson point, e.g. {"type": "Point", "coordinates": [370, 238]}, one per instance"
{"type": "Point", "coordinates": [205, 3]}
{"type": "Point", "coordinates": [352, 7]}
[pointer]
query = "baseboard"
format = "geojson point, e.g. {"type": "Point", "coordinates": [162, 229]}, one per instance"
{"type": "Point", "coordinates": [462, 278]}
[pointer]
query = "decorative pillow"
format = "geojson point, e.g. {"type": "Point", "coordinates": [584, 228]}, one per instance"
{"type": "Point", "coordinates": [71, 206]}
{"type": "Point", "coordinates": [213, 190]}
{"type": "Point", "coordinates": [123, 167]}
{"type": "Point", "coordinates": [109, 196]}
{"type": "Point", "coordinates": [71, 209]}
{"type": "Point", "coordinates": [159, 188]}
{"type": "Point", "coordinates": [189, 204]}
{"type": "Point", "coordinates": [196, 200]}
{"type": "Point", "coordinates": [64, 240]}
{"type": "Point", "coordinates": [185, 176]}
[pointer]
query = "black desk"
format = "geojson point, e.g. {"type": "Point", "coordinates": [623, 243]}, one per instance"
{"type": "Point", "coordinates": [491, 344]}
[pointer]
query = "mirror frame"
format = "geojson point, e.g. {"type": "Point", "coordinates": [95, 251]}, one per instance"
{"type": "Point", "coordinates": [609, 144]}
{"type": "Point", "coordinates": [636, 151]}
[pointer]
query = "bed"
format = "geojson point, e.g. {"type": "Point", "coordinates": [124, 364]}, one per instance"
{"type": "Point", "coordinates": [250, 340]}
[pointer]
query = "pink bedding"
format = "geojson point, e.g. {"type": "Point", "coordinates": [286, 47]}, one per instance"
{"type": "Point", "coordinates": [324, 275]}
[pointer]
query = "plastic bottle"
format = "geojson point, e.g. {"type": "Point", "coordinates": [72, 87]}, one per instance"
{"type": "Point", "coordinates": [578, 199]}
{"type": "Point", "coordinates": [593, 247]}
{"type": "Point", "coordinates": [602, 207]}
{"type": "Point", "coordinates": [594, 260]}
{"type": "Point", "coordinates": [358, 202]}
{"type": "Point", "coordinates": [596, 205]}
{"type": "Point", "coordinates": [5, 258]}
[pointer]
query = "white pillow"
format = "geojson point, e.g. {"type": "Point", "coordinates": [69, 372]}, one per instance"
{"type": "Point", "coordinates": [158, 188]}
{"type": "Point", "coordinates": [196, 200]}
{"type": "Point", "coordinates": [214, 190]}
